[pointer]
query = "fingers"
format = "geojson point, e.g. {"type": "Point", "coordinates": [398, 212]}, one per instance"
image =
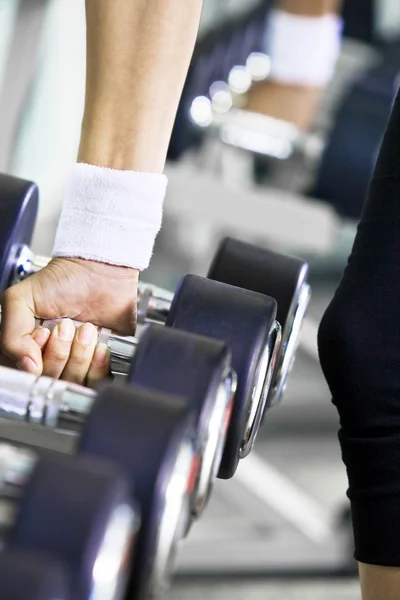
{"type": "Point", "coordinates": [69, 352]}
{"type": "Point", "coordinates": [73, 354]}
{"type": "Point", "coordinates": [18, 323]}
{"type": "Point", "coordinates": [81, 355]}
{"type": "Point", "coordinates": [100, 367]}
{"type": "Point", "coordinates": [41, 336]}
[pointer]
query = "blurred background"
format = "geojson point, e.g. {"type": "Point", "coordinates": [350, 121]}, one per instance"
{"type": "Point", "coordinates": [279, 163]}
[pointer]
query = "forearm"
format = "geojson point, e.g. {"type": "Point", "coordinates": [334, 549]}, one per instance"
{"type": "Point", "coordinates": [310, 8]}
{"type": "Point", "coordinates": [290, 100]}
{"type": "Point", "coordinates": [138, 54]}
{"type": "Point", "coordinates": [380, 583]}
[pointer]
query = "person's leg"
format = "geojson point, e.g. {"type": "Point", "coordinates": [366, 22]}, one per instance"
{"type": "Point", "coordinates": [359, 345]}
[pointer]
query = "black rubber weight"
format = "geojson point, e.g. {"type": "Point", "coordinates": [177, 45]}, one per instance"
{"type": "Point", "coordinates": [349, 157]}
{"type": "Point", "coordinates": [142, 431]}
{"type": "Point", "coordinates": [253, 268]}
{"type": "Point", "coordinates": [176, 362]}
{"type": "Point", "coordinates": [26, 576]}
{"type": "Point", "coordinates": [19, 201]}
{"type": "Point", "coordinates": [243, 320]}
{"type": "Point", "coordinates": [64, 512]}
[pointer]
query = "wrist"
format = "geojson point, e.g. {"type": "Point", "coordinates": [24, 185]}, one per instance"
{"type": "Point", "coordinates": [108, 143]}
{"type": "Point", "coordinates": [110, 216]}
{"type": "Point", "coordinates": [310, 8]}
{"type": "Point", "coordinates": [116, 153]}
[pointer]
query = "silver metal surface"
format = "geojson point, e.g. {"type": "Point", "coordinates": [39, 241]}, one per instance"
{"type": "Point", "coordinates": [110, 569]}
{"type": "Point", "coordinates": [173, 520]}
{"type": "Point", "coordinates": [44, 401]}
{"type": "Point", "coordinates": [261, 389]}
{"type": "Point", "coordinates": [154, 304]}
{"type": "Point", "coordinates": [213, 443]}
{"type": "Point", "coordinates": [27, 264]}
{"type": "Point", "coordinates": [266, 135]}
{"type": "Point", "coordinates": [290, 337]}
{"type": "Point", "coordinates": [109, 573]}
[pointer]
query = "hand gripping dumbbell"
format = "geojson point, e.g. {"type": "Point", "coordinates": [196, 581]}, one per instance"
{"type": "Point", "coordinates": [147, 434]}
{"type": "Point", "coordinates": [243, 319]}
{"type": "Point", "coordinates": [174, 362]}
{"type": "Point", "coordinates": [76, 513]}
{"type": "Point", "coordinates": [30, 576]}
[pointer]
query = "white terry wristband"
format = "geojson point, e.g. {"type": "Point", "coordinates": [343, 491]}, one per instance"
{"type": "Point", "coordinates": [111, 216]}
{"type": "Point", "coordinates": [303, 50]}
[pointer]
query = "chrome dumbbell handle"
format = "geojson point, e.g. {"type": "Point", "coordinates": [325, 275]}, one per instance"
{"type": "Point", "coordinates": [153, 302]}
{"type": "Point", "coordinates": [27, 263]}
{"type": "Point", "coordinates": [265, 135]}
{"type": "Point", "coordinates": [122, 348]}
{"type": "Point", "coordinates": [44, 401]}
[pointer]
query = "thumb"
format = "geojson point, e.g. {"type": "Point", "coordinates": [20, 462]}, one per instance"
{"type": "Point", "coordinates": [17, 326]}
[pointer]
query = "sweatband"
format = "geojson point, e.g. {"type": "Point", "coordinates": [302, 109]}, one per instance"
{"type": "Point", "coordinates": [110, 216]}
{"type": "Point", "coordinates": [303, 50]}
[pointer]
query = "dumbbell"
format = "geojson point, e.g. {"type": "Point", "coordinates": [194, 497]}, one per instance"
{"type": "Point", "coordinates": [191, 366]}
{"type": "Point", "coordinates": [148, 435]}
{"type": "Point", "coordinates": [171, 361]}
{"type": "Point", "coordinates": [246, 266]}
{"type": "Point", "coordinates": [75, 512]}
{"type": "Point", "coordinates": [29, 576]}
{"type": "Point", "coordinates": [243, 319]}
{"type": "Point", "coordinates": [281, 276]}
{"type": "Point", "coordinates": [348, 160]}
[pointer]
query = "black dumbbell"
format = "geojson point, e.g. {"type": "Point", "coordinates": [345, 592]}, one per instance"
{"type": "Point", "coordinates": [196, 368]}
{"type": "Point", "coordinates": [346, 165]}
{"type": "Point", "coordinates": [249, 267]}
{"type": "Point", "coordinates": [174, 362]}
{"type": "Point", "coordinates": [148, 435]}
{"type": "Point", "coordinates": [77, 512]}
{"type": "Point", "coordinates": [278, 275]}
{"type": "Point", "coordinates": [207, 308]}
{"type": "Point", "coordinates": [29, 576]}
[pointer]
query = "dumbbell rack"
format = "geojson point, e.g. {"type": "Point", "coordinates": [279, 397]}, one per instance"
{"type": "Point", "coordinates": [253, 526]}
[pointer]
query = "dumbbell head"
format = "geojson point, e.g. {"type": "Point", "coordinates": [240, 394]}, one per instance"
{"type": "Point", "coordinates": [281, 276]}
{"type": "Point", "coordinates": [76, 511]}
{"type": "Point", "coordinates": [150, 436]}
{"type": "Point", "coordinates": [19, 202]}
{"type": "Point", "coordinates": [199, 369]}
{"type": "Point", "coordinates": [29, 576]}
{"type": "Point", "coordinates": [347, 163]}
{"type": "Point", "coordinates": [245, 321]}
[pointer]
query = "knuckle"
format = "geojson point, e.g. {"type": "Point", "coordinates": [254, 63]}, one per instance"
{"type": "Point", "coordinates": [73, 377]}
{"type": "Point", "coordinates": [57, 355]}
